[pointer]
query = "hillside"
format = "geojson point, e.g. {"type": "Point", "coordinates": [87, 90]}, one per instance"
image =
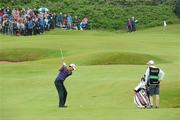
{"type": "Point", "coordinates": [107, 14]}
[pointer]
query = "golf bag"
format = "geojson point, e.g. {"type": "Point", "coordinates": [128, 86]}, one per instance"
{"type": "Point", "coordinates": [141, 98]}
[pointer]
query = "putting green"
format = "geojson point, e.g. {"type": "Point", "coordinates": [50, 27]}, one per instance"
{"type": "Point", "coordinates": [109, 66]}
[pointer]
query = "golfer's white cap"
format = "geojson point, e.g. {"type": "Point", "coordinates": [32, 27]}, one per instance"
{"type": "Point", "coordinates": [151, 62]}
{"type": "Point", "coordinates": [73, 66]}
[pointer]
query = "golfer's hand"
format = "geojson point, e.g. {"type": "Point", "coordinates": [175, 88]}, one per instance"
{"type": "Point", "coordinates": [64, 64]}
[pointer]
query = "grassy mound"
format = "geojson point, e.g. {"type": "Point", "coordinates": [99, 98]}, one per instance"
{"type": "Point", "coordinates": [26, 54]}
{"type": "Point", "coordinates": [111, 58]}
{"type": "Point", "coordinates": [100, 58]}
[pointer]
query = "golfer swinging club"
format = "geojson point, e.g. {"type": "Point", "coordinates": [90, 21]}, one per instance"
{"type": "Point", "coordinates": [64, 72]}
{"type": "Point", "coordinates": [153, 76]}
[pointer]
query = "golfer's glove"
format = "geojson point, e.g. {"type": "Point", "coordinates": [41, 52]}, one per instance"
{"type": "Point", "coordinates": [64, 64]}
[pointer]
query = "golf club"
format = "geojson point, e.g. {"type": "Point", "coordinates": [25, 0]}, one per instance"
{"type": "Point", "coordinates": [62, 57]}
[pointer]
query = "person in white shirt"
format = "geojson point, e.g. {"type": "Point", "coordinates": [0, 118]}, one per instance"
{"type": "Point", "coordinates": [153, 76]}
{"type": "Point", "coordinates": [164, 25]}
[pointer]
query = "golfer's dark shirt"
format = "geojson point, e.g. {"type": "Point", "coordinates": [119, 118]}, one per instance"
{"type": "Point", "coordinates": [63, 73]}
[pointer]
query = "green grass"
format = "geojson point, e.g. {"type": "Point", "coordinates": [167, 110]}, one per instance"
{"type": "Point", "coordinates": [109, 66]}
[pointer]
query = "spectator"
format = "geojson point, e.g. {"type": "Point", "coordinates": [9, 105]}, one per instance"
{"type": "Point", "coordinates": [75, 23]}
{"type": "Point", "coordinates": [42, 24]}
{"type": "Point", "coordinates": [47, 25]}
{"type": "Point", "coordinates": [65, 22]}
{"type": "Point", "coordinates": [69, 21]}
{"type": "Point", "coordinates": [51, 21]}
{"type": "Point", "coordinates": [84, 23]}
{"type": "Point", "coordinates": [1, 19]}
{"type": "Point", "coordinates": [5, 25]}
{"type": "Point", "coordinates": [30, 26]}
{"type": "Point", "coordinates": [0, 27]}
{"type": "Point", "coordinates": [55, 20]}
{"type": "Point", "coordinates": [60, 20]}
{"type": "Point", "coordinates": [17, 14]}
{"type": "Point", "coordinates": [0, 24]}
{"type": "Point", "coordinates": [129, 25]}
{"type": "Point", "coordinates": [21, 26]}
{"type": "Point", "coordinates": [1, 13]}
{"type": "Point", "coordinates": [133, 23]}
{"type": "Point", "coordinates": [8, 11]}
{"type": "Point", "coordinates": [11, 21]}
{"type": "Point", "coordinates": [36, 26]}
{"type": "Point", "coordinates": [35, 11]}
{"type": "Point", "coordinates": [15, 28]}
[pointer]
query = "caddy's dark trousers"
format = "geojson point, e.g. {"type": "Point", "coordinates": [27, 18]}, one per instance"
{"type": "Point", "coordinates": [61, 92]}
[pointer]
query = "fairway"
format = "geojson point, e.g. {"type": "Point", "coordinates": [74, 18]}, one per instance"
{"type": "Point", "coordinates": [109, 66]}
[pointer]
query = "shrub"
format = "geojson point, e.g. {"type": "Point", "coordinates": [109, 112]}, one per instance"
{"type": "Point", "coordinates": [178, 8]}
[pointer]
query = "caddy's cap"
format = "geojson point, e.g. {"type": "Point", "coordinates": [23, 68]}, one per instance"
{"type": "Point", "coordinates": [73, 66]}
{"type": "Point", "coordinates": [151, 62]}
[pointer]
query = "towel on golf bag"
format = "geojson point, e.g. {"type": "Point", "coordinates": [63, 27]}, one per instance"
{"type": "Point", "coordinates": [141, 98]}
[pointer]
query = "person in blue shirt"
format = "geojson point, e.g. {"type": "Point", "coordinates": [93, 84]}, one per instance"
{"type": "Point", "coordinates": [133, 22]}
{"type": "Point", "coordinates": [69, 21]}
{"type": "Point", "coordinates": [60, 20]}
{"type": "Point", "coordinates": [30, 26]}
{"type": "Point", "coordinates": [64, 72]}
{"type": "Point", "coordinates": [42, 24]}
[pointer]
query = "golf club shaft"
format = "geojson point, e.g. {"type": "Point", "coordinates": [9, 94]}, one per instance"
{"type": "Point", "coordinates": [62, 57]}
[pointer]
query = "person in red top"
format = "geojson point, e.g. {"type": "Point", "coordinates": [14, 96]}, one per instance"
{"type": "Point", "coordinates": [129, 25]}
{"type": "Point", "coordinates": [65, 22]}
{"type": "Point", "coordinates": [1, 13]}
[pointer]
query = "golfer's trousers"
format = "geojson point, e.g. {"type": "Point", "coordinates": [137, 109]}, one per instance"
{"type": "Point", "coordinates": [62, 93]}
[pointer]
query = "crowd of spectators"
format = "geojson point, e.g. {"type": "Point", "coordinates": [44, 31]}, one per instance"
{"type": "Point", "coordinates": [131, 24]}
{"type": "Point", "coordinates": [32, 21]}
{"type": "Point", "coordinates": [67, 22]}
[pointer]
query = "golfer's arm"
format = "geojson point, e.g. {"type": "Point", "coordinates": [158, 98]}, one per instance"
{"type": "Point", "coordinates": [62, 68]}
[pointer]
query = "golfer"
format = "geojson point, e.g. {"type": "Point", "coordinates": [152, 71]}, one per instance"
{"type": "Point", "coordinates": [153, 76]}
{"type": "Point", "coordinates": [64, 72]}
